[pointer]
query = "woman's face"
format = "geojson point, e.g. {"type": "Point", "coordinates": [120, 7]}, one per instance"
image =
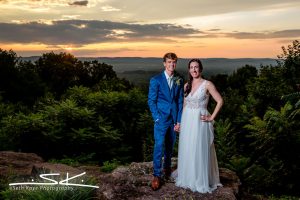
{"type": "Point", "coordinates": [195, 70]}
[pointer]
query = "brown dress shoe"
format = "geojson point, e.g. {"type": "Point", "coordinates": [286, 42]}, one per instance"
{"type": "Point", "coordinates": [156, 183]}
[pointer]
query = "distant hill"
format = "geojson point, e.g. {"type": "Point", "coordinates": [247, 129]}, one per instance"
{"type": "Point", "coordinates": [122, 64]}
{"type": "Point", "coordinates": [138, 69]}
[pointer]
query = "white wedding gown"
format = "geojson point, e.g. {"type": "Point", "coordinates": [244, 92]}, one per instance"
{"type": "Point", "coordinates": [197, 162]}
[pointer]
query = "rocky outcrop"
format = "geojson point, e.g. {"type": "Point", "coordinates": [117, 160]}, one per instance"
{"type": "Point", "coordinates": [12, 163]}
{"type": "Point", "coordinates": [29, 164]}
{"type": "Point", "coordinates": [133, 182]}
{"type": "Point", "coordinates": [125, 182]}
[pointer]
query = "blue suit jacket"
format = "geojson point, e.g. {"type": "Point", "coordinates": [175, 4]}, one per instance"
{"type": "Point", "coordinates": [164, 102]}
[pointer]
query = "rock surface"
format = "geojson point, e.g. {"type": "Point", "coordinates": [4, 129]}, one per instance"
{"type": "Point", "coordinates": [29, 164]}
{"type": "Point", "coordinates": [125, 182]}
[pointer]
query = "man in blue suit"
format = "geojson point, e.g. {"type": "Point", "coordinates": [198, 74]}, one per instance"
{"type": "Point", "coordinates": [165, 100]}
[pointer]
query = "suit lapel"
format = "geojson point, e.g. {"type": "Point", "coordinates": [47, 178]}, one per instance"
{"type": "Point", "coordinates": [165, 84]}
{"type": "Point", "coordinates": [173, 89]}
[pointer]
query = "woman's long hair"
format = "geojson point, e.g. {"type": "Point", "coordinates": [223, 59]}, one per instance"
{"type": "Point", "coordinates": [188, 88]}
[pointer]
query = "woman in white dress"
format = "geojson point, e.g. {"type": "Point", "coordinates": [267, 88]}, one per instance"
{"type": "Point", "coordinates": [197, 162]}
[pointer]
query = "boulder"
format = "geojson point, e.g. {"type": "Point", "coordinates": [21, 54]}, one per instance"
{"type": "Point", "coordinates": [29, 164]}
{"type": "Point", "coordinates": [14, 163]}
{"type": "Point", "coordinates": [133, 182]}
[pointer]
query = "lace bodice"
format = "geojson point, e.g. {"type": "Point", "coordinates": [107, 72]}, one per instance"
{"type": "Point", "coordinates": [198, 99]}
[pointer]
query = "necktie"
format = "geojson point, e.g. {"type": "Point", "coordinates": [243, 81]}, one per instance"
{"type": "Point", "coordinates": [170, 82]}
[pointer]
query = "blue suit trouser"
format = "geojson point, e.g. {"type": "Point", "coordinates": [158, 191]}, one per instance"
{"type": "Point", "coordinates": [165, 138]}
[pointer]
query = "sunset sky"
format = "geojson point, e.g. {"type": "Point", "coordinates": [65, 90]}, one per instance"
{"type": "Point", "coordinates": [115, 28]}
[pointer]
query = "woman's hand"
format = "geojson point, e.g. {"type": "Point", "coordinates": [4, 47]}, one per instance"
{"type": "Point", "coordinates": [206, 118]}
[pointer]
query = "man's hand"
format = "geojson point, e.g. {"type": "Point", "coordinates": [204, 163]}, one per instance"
{"type": "Point", "coordinates": [177, 127]}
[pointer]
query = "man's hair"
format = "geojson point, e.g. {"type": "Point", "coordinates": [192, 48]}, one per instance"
{"type": "Point", "coordinates": [172, 56]}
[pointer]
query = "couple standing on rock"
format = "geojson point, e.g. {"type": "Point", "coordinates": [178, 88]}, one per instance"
{"type": "Point", "coordinates": [183, 108]}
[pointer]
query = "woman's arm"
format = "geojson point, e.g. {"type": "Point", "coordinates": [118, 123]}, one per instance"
{"type": "Point", "coordinates": [217, 97]}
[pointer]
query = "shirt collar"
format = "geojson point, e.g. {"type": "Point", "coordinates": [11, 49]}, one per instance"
{"type": "Point", "coordinates": [167, 75]}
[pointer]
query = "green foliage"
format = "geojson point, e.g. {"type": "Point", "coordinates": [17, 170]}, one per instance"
{"type": "Point", "coordinates": [145, 127]}
{"type": "Point", "coordinates": [220, 81]}
{"type": "Point", "coordinates": [241, 77]}
{"type": "Point", "coordinates": [58, 71]}
{"type": "Point", "coordinates": [47, 131]}
{"type": "Point", "coordinates": [275, 127]}
{"type": "Point", "coordinates": [276, 140]}
{"type": "Point", "coordinates": [26, 82]}
{"type": "Point", "coordinates": [294, 98]}
{"type": "Point", "coordinates": [6, 109]}
{"type": "Point", "coordinates": [122, 109]}
{"type": "Point", "coordinates": [90, 122]}
{"type": "Point", "coordinates": [109, 166]}
{"type": "Point", "coordinates": [54, 192]}
{"type": "Point", "coordinates": [19, 82]}
{"type": "Point", "coordinates": [239, 164]}
{"type": "Point", "coordinates": [268, 88]}
{"type": "Point", "coordinates": [66, 161]}
{"type": "Point", "coordinates": [76, 194]}
{"type": "Point", "coordinates": [225, 142]}
{"type": "Point", "coordinates": [62, 71]}
{"type": "Point", "coordinates": [87, 158]}
{"type": "Point", "coordinates": [263, 110]}
{"type": "Point", "coordinates": [290, 61]}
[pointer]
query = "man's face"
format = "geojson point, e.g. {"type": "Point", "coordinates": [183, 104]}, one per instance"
{"type": "Point", "coordinates": [170, 65]}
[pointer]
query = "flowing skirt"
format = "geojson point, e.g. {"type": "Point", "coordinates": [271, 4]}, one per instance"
{"type": "Point", "coordinates": [197, 162]}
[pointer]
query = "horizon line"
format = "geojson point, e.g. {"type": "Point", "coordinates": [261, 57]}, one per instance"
{"type": "Point", "coordinates": [160, 57]}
